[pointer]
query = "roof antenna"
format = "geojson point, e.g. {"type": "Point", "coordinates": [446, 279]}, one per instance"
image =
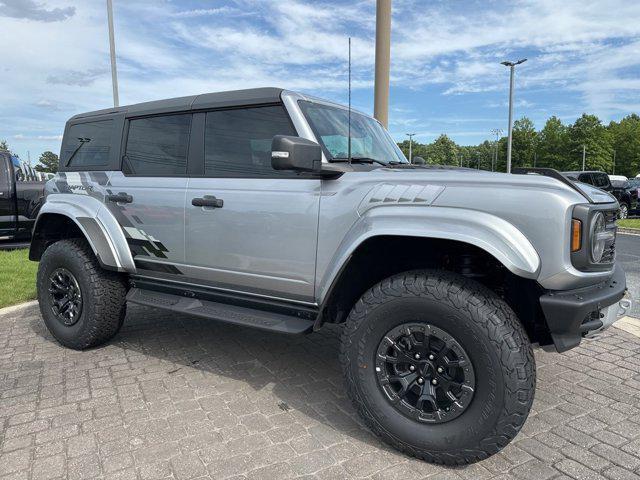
{"type": "Point", "coordinates": [349, 139]}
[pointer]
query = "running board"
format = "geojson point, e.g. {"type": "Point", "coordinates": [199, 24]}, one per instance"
{"type": "Point", "coordinates": [223, 312]}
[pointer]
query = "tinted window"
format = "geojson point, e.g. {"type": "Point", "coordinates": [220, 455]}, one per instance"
{"type": "Point", "coordinates": [600, 180]}
{"type": "Point", "coordinates": [586, 178]}
{"type": "Point", "coordinates": [238, 142]}
{"type": "Point", "coordinates": [158, 145]}
{"type": "Point", "coordinates": [87, 144]}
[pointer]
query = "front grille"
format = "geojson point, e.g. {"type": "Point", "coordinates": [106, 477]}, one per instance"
{"type": "Point", "coordinates": [609, 255]}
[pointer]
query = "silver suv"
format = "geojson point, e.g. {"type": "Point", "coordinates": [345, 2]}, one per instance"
{"type": "Point", "coordinates": [279, 211]}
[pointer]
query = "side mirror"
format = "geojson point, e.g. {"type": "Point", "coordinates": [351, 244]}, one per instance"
{"type": "Point", "coordinates": [295, 153]}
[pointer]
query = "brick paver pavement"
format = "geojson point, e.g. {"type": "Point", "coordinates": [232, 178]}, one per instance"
{"type": "Point", "coordinates": [177, 397]}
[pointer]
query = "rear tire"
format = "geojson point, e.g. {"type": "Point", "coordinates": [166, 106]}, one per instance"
{"type": "Point", "coordinates": [98, 295]}
{"type": "Point", "coordinates": [477, 326]}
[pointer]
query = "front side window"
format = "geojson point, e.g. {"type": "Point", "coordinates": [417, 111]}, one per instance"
{"type": "Point", "coordinates": [369, 140]}
{"type": "Point", "coordinates": [87, 144]}
{"type": "Point", "coordinates": [158, 146]}
{"type": "Point", "coordinates": [237, 143]}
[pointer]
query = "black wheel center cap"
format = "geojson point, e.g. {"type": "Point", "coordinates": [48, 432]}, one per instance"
{"type": "Point", "coordinates": [425, 373]}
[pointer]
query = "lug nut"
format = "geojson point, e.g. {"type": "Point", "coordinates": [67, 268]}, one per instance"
{"type": "Point", "coordinates": [434, 382]}
{"type": "Point", "coordinates": [417, 356]}
{"type": "Point", "coordinates": [431, 357]}
{"type": "Point", "coordinates": [411, 368]}
{"type": "Point", "coordinates": [420, 381]}
{"type": "Point", "coordinates": [440, 370]}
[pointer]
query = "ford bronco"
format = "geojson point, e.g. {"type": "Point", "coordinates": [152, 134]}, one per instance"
{"type": "Point", "coordinates": [275, 210]}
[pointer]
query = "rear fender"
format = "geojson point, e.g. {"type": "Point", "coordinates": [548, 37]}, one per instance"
{"type": "Point", "coordinates": [99, 226]}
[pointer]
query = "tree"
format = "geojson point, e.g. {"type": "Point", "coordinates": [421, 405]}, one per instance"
{"type": "Point", "coordinates": [589, 132]}
{"type": "Point", "coordinates": [552, 145]}
{"type": "Point", "coordinates": [49, 162]}
{"type": "Point", "coordinates": [4, 145]}
{"type": "Point", "coordinates": [525, 139]}
{"type": "Point", "coordinates": [625, 139]}
{"type": "Point", "coordinates": [443, 151]}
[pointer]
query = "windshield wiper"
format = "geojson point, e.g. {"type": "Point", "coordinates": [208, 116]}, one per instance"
{"type": "Point", "coordinates": [82, 141]}
{"type": "Point", "coordinates": [360, 160]}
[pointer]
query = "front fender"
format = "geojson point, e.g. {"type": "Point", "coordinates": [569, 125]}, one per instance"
{"type": "Point", "coordinates": [99, 226]}
{"type": "Point", "coordinates": [488, 232]}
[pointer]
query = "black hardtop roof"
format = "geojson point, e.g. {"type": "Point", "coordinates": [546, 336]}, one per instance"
{"type": "Point", "coordinates": [232, 98]}
{"type": "Point", "coordinates": [582, 171]}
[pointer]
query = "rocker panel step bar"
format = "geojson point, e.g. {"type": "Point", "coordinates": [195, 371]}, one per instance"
{"type": "Point", "coordinates": [236, 315]}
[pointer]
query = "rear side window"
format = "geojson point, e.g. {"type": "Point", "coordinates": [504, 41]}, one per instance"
{"type": "Point", "coordinates": [238, 142]}
{"type": "Point", "coordinates": [158, 146]}
{"type": "Point", "coordinates": [87, 144]}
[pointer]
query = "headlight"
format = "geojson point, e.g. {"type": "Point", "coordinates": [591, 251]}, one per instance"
{"type": "Point", "coordinates": [598, 237]}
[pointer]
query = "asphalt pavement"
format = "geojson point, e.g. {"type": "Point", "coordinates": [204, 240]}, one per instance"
{"type": "Point", "coordinates": [628, 253]}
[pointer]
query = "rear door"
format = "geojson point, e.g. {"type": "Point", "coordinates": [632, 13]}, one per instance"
{"type": "Point", "coordinates": [7, 202]}
{"type": "Point", "coordinates": [258, 235]}
{"type": "Point", "coordinates": [148, 196]}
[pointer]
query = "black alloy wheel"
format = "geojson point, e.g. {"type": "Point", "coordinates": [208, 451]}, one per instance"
{"type": "Point", "coordinates": [425, 373]}
{"type": "Point", "coordinates": [66, 296]}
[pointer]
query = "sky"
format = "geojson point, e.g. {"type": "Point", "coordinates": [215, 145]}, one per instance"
{"type": "Point", "coordinates": [446, 77]}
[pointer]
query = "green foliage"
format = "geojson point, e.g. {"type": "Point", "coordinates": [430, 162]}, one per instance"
{"type": "Point", "coordinates": [552, 145]}
{"type": "Point", "coordinates": [49, 162]}
{"type": "Point", "coordinates": [556, 146]}
{"type": "Point", "coordinates": [4, 145]}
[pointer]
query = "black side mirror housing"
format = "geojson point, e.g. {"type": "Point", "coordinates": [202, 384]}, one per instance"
{"type": "Point", "coordinates": [295, 153]}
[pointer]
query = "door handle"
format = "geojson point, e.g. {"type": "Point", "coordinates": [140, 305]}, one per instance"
{"type": "Point", "coordinates": [120, 198]}
{"type": "Point", "coordinates": [207, 201]}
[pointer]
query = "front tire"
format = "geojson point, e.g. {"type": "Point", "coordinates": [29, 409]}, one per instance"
{"type": "Point", "coordinates": [82, 304]}
{"type": "Point", "coordinates": [412, 336]}
{"type": "Point", "coordinates": [623, 212]}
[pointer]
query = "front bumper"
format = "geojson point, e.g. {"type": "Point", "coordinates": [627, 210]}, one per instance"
{"type": "Point", "coordinates": [573, 314]}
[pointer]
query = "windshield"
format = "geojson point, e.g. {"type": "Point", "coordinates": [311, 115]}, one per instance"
{"type": "Point", "coordinates": [369, 140]}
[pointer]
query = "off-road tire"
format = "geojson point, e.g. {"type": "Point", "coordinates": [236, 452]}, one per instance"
{"type": "Point", "coordinates": [103, 292]}
{"type": "Point", "coordinates": [487, 329]}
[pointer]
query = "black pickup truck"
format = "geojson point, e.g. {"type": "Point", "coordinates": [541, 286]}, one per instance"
{"type": "Point", "coordinates": [21, 196]}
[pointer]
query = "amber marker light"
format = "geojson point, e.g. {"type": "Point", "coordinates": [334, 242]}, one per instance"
{"type": "Point", "coordinates": [576, 235]}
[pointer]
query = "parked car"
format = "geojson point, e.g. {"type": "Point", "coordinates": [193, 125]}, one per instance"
{"type": "Point", "coordinates": [279, 211]}
{"type": "Point", "coordinates": [617, 177]}
{"type": "Point", "coordinates": [21, 196]}
{"type": "Point", "coordinates": [627, 198]}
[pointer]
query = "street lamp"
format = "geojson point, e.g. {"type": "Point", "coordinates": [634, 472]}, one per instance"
{"type": "Point", "coordinates": [410, 135]}
{"type": "Point", "coordinates": [497, 132]}
{"type": "Point", "coordinates": [512, 68]}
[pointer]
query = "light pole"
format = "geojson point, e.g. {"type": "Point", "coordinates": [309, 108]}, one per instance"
{"type": "Point", "coordinates": [410, 135]}
{"type": "Point", "coordinates": [512, 68]}
{"type": "Point", "coordinates": [383, 60]}
{"type": "Point", "coordinates": [614, 162]}
{"type": "Point", "coordinates": [584, 157]}
{"type": "Point", "coordinates": [497, 132]}
{"type": "Point", "coordinates": [112, 50]}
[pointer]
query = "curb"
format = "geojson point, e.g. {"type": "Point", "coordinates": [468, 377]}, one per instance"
{"type": "Point", "coordinates": [20, 306]}
{"type": "Point", "coordinates": [629, 324]}
{"type": "Point", "coordinates": [629, 231]}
